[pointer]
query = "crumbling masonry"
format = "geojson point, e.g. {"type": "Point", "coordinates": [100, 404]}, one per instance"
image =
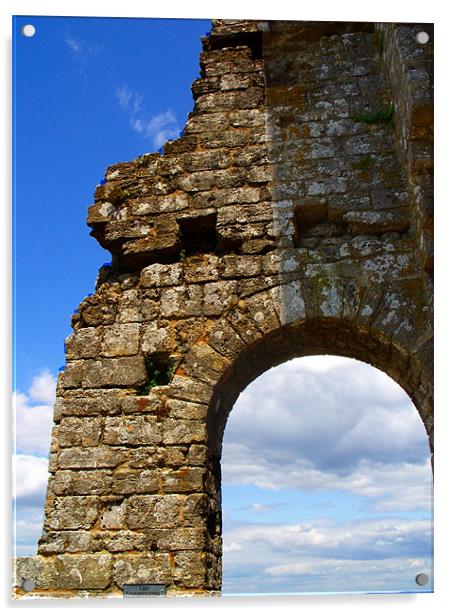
{"type": "Point", "coordinates": [293, 217]}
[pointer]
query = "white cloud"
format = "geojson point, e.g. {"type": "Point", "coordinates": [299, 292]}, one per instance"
{"type": "Point", "coordinates": [75, 44]}
{"type": "Point", "coordinates": [323, 555]}
{"type": "Point", "coordinates": [388, 487]}
{"type": "Point", "coordinates": [43, 388]}
{"type": "Point", "coordinates": [124, 95]}
{"type": "Point", "coordinates": [158, 128]}
{"type": "Point", "coordinates": [30, 478]}
{"type": "Point", "coordinates": [318, 363]}
{"type": "Point", "coordinates": [359, 539]}
{"type": "Point", "coordinates": [232, 546]}
{"type": "Point", "coordinates": [347, 428]}
{"type": "Point", "coordinates": [262, 507]}
{"type": "Point", "coordinates": [345, 432]}
{"type": "Point", "coordinates": [33, 422]}
{"type": "Point", "coordinates": [81, 52]}
{"type": "Point", "coordinates": [27, 528]}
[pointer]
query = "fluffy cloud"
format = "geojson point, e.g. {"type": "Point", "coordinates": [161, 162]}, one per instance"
{"type": "Point", "coordinates": [27, 529]}
{"type": "Point", "coordinates": [158, 128]}
{"type": "Point", "coordinates": [33, 420]}
{"type": "Point", "coordinates": [327, 556]}
{"type": "Point", "coordinates": [372, 539]}
{"type": "Point", "coordinates": [336, 429]}
{"type": "Point", "coordinates": [43, 387]}
{"type": "Point", "coordinates": [342, 425]}
{"type": "Point", "coordinates": [30, 479]}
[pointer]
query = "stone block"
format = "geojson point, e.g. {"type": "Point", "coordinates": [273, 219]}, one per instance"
{"type": "Point", "coordinates": [136, 482]}
{"type": "Point", "coordinates": [155, 511]}
{"type": "Point", "coordinates": [185, 388]}
{"type": "Point", "coordinates": [72, 375]}
{"type": "Point", "coordinates": [113, 516]}
{"type": "Point", "coordinates": [79, 431]}
{"type": "Point", "coordinates": [184, 480]}
{"type": "Point", "coordinates": [91, 402]}
{"type": "Point", "coordinates": [66, 572]}
{"type": "Point", "coordinates": [197, 455]}
{"type": "Point", "coordinates": [181, 539]}
{"type": "Point", "coordinates": [175, 456]}
{"type": "Point", "coordinates": [157, 337]}
{"type": "Point", "coordinates": [125, 541]}
{"type": "Point", "coordinates": [238, 266]}
{"type": "Point", "coordinates": [262, 309]}
{"type": "Point", "coordinates": [218, 297]}
{"type": "Point", "coordinates": [161, 275]}
{"type": "Point", "coordinates": [224, 339]}
{"type": "Point", "coordinates": [67, 482]}
{"type": "Point", "coordinates": [146, 457]}
{"type": "Point", "coordinates": [127, 371]}
{"type": "Point", "coordinates": [73, 513]}
{"type": "Point", "coordinates": [190, 568]}
{"type": "Point", "coordinates": [56, 542]}
{"type": "Point", "coordinates": [377, 221]}
{"type": "Point", "coordinates": [133, 430]}
{"type": "Point", "coordinates": [100, 456]}
{"type": "Point", "coordinates": [181, 409]}
{"type": "Point", "coordinates": [130, 307]}
{"type": "Point", "coordinates": [84, 343]}
{"type": "Point", "coordinates": [152, 569]}
{"type": "Point", "coordinates": [181, 431]}
{"type": "Point", "coordinates": [121, 340]}
{"type": "Point", "coordinates": [201, 268]}
{"type": "Point", "coordinates": [182, 301]}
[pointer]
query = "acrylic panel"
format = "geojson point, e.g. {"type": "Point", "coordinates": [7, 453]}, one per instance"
{"type": "Point", "coordinates": [223, 381]}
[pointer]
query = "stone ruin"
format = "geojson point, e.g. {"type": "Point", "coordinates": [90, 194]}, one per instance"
{"type": "Point", "coordinates": [293, 217]}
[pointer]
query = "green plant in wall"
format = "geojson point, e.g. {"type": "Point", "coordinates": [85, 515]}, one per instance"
{"type": "Point", "coordinates": [365, 163]}
{"type": "Point", "coordinates": [159, 372]}
{"type": "Point", "coordinates": [385, 115]}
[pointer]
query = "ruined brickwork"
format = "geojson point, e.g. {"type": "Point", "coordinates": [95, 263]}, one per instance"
{"type": "Point", "coordinates": [293, 217]}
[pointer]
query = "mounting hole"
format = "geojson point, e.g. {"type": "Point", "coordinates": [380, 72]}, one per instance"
{"type": "Point", "coordinates": [28, 585]}
{"type": "Point", "coordinates": [422, 38]}
{"type": "Point", "coordinates": [28, 30]}
{"type": "Point", "coordinates": [421, 579]}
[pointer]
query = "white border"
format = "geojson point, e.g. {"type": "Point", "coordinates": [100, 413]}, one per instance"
{"type": "Point", "coordinates": [331, 10]}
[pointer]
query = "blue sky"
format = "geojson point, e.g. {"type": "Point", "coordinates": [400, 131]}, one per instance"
{"type": "Point", "coordinates": [89, 93]}
{"type": "Point", "coordinates": [297, 480]}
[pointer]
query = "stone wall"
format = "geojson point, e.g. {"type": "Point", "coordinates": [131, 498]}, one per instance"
{"type": "Point", "coordinates": [286, 221]}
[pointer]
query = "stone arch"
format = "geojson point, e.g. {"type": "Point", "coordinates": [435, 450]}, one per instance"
{"type": "Point", "coordinates": [317, 337]}
{"type": "Point", "coordinates": [256, 334]}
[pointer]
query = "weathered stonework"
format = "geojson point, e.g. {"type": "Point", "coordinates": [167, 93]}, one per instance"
{"type": "Point", "coordinates": [293, 217]}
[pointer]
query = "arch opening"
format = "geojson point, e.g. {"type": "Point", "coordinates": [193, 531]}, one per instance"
{"type": "Point", "coordinates": [326, 483]}
{"type": "Point", "coordinates": [409, 365]}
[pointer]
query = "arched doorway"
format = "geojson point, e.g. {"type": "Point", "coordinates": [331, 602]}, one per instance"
{"type": "Point", "coordinates": [326, 483]}
{"type": "Point", "coordinates": [409, 367]}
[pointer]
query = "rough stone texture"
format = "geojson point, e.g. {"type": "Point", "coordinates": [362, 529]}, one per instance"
{"type": "Point", "coordinates": [284, 222]}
